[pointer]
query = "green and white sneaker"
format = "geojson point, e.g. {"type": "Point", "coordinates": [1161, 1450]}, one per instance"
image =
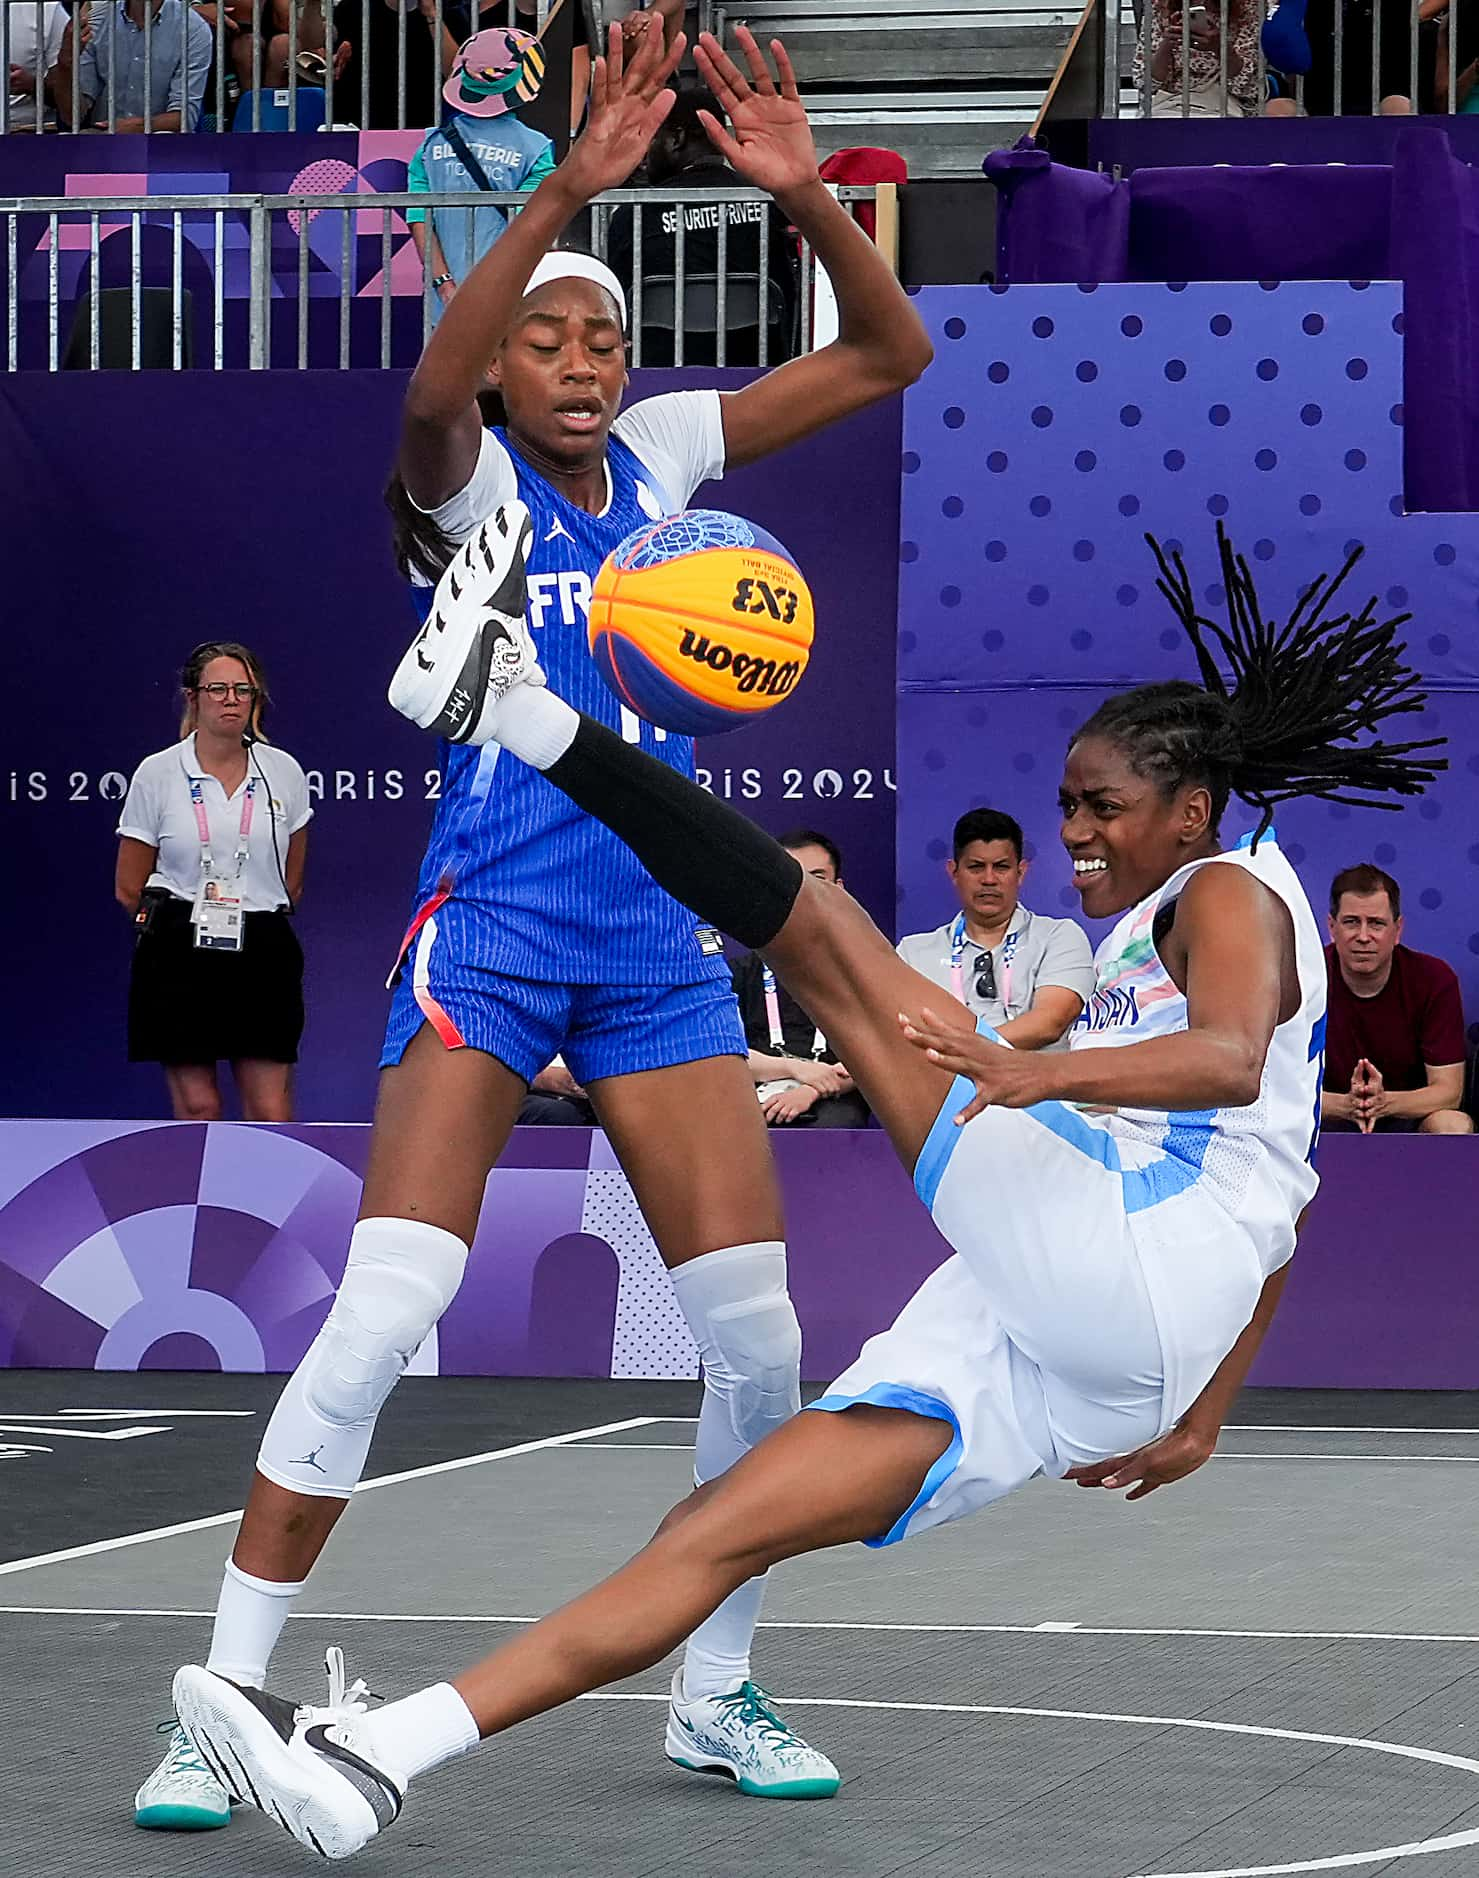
{"type": "Point", "coordinates": [182, 1794]}
{"type": "Point", "coordinates": [741, 1736]}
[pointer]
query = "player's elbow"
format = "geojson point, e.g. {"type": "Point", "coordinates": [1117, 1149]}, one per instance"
{"type": "Point", "coordinates": [1243, 1078]}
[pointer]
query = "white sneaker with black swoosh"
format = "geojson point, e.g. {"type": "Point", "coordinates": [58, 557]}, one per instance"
{"type": "Point", "coordinates": [475, 645]}
{"type": "Point", "coordinates": [308, 1768]}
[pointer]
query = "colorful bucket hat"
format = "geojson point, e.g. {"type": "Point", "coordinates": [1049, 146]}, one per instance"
{"type": "Point", "coordinates": [495, 71]}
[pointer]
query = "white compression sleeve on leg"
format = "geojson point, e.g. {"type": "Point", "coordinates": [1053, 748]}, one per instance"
{"type": "Point", "coordinates": [535, 726]}
{"type": "Point", "coordinates": [401, 1275]}
{"type": "Point", "coordinates": [744, 1324]}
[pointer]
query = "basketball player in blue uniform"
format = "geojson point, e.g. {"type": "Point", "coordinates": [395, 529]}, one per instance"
{"type": "Point", "coordinates": [536, 931]}
{"type": "Point", "coordinates": [1121, 1214]}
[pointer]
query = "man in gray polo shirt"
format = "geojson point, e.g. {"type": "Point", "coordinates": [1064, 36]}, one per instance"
{"type": "Point", "coordinates": [132, 75]}
{"type": "Point", "coordinates": [1029, 976]}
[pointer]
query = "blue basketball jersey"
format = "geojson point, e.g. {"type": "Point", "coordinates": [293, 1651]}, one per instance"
{"type": "Point", "coordinates": [538, 889]}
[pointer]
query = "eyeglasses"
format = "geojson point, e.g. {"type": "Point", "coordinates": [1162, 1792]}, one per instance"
{"type": "Point", "coordinates": [985, 977]}
{"type": "Point", "coordinates": [218, 694]}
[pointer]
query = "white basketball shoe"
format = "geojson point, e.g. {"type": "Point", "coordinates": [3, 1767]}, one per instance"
{"type": "Point", "coordinates": [311, 1769]}
{"type": "Point", "coordinates": [182, 1794]}
{"type": "Point", "coordinates": [741, 1737]}
{"type": "Point", "coordinates": [475, 645]}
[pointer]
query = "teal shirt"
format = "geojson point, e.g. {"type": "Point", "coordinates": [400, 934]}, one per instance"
{"type": "Point", "coordinates": [513, 156]}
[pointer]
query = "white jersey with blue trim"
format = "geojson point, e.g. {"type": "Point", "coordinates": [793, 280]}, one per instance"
{"type": "Point", "coordinates": [540, 890]}
{"type": "Point", "coordinates": [1256, 1162]}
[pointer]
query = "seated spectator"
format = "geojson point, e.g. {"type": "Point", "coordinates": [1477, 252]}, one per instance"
{"type": "Point", "coordinates": [1199, 33]}
{"type": "Point", "coordinates": [32, 56]}
{"type": "Point", "coordinates": [1029, 976]}
{"type": "Point", "coordinates": [683, 157]}
{"type": "Point", "coordinates": [375, 31]}
{"type": "Point", "coordinates": [267, 70]}
{"type": "Point", "coordinates": [556, 1099]}
{"type": "Point", "coordinates": [117, 87]}
{"type": "Point", "coordinates": [797, 1075]}
{"type": "Point", "coordinates": [1394, 1036]}
{"type": "Point", "coordinates": [496, 72]}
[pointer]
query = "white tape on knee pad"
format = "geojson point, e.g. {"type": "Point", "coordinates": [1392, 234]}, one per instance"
{"type": "Point", "coordinates": [400, 1276]}
{"type": "Point", "coordinates": [743, 1321]}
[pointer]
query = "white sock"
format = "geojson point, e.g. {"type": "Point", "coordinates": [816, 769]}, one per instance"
{"type": "Point", "coordinates": [717, 1659]}
{"type": "Point", "coordinates": [250, 1614]}
{"type": "Point", "coordinates": [422, 1731]}
{"type": "Point", "coordinates": [534, 725]}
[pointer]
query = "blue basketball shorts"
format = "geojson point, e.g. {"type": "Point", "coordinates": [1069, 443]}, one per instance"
{"type": "Point", "coordinates": [600, 1030]}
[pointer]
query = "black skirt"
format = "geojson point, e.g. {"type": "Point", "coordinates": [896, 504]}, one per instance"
{"type": "Point", "coordinates": [188, 1004]}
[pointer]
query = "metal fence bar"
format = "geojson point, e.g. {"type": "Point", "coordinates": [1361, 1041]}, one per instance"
{"type": "Point", "coordinates": [808, 287]}
{"type": "Point", "coordinates": [5, 64]}
{"type": "Point", "coordinates": [635, 313]}
{"type": "Point", "coordinates": [12, 298]}
{"type": "Point", "coordinates": [177, 291]}
{"type": "Point", "coordinates": [764, 287]}
{"type": "Point", "coordinates": [53, 222]}
{"type": "Point", "coordinates": [94, 310]}
{"type": "Point", "coordinates": [384, 289]}
{"type": "Point", "coordinates": [1412, 59]}
{"type": "Point", "coordinates": [346, 221]}
{"type": "Point", "coordinates": [1452, 17]}
{"type": "Point", "coordinates": [437, 28]}
{"type": "Point", "coordinates": [292, 64]}
{"type": "Point", "coordinates": [329, 73]}
{"type": "Point", "coordinates": [721, 304]}
{"type": "Point", "coordinates": [1186, 58]}
{"type": "Point", "coordinates": [680, 284]}
{"type": "Point", "coordinates": [364, 63]}
{"type": "Point", "coordinates": [400, 66]}
{"type": "Point", "coordinates": [1376, 13]}
{"type": "Point", "coordinates": [303, 217]}
{"type": "Point", "coordinates": [218, 295]}
{"type": "Point", "coordinates": [135, 292]}
{"type": "Point", "coordinates": [259, 286]}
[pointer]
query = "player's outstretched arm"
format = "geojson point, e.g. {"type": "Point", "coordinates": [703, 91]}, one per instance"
{"type": "Point", "coordinates": [1234, 939]}
{"type": "Point", "coordinates": [881, 345]}
{"type": "Point", "coordinates": [441, 427]}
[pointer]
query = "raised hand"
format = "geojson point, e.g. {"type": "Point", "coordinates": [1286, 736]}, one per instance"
{"type": "Point", "coordinates": [629, 101]}
{"type": "Point", "coordinates": [769, 140]}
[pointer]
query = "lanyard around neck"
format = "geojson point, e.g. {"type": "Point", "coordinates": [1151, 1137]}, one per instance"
{"type": "Point", "coordinates": [202, 826]}
{"type": "Point", "coordinates": [1009, 944]}
{"type": "Point", "coordinates": [773, 1018]}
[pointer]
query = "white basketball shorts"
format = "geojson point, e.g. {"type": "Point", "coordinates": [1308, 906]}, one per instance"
{"type": "Point", "coordinates": [1087, 1305]}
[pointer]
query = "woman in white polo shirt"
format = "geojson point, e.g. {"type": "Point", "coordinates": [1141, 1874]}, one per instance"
{"type": "Point", "coordinates": [213, 841]}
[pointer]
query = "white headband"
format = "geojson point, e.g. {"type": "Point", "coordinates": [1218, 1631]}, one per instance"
{"type": "Point", "coordinates": [562, 265]}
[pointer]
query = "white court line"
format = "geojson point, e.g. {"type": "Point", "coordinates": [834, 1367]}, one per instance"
{"type": "Point", "coordinates": [365, 1486]}
{"type": "Point", "coordinates": [1448, 1842]}
{"type": "Point", "coordinates": [1050, 1628]}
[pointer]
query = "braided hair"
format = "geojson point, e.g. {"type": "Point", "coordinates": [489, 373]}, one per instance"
{"type": "Point", "coordinates": [1300, 696]}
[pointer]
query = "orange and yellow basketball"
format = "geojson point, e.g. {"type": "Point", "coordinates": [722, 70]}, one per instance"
{"type": "Point", "coordinates": [701, 622]}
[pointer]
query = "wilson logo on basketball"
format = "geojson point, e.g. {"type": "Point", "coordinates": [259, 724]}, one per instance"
{"type": "Point", "coordinates": [772, 678]}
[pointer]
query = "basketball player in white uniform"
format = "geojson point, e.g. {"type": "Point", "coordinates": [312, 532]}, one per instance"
{"type": "Point", "coordinates": [1121, 1215]}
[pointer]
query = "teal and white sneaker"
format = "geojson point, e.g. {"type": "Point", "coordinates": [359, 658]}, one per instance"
{"type": "Point", "coordinates": [741, 1736]}
{"type": "Point", "coordinates": [182, 1794]}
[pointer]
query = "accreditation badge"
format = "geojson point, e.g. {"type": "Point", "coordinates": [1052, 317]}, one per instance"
{"type": "Point", "coordinates": [217, 914]}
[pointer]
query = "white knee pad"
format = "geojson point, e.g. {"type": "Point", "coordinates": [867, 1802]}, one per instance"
{"type": "Point", "coordinates": [744, 1324]}
{"type": "Point", "coordinates": [401, 1275]}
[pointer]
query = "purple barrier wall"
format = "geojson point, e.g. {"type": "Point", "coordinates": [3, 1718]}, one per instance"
{"type": "Point", "coordinates": [177, 1246]}
{"type": "Point", "coordinates": [1058, 425]}
{"type": "Point", "coordinates": [146, 512]}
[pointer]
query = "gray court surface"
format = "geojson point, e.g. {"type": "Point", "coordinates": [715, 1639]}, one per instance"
{"type": "Point", "coordinates": [1273, 1667]}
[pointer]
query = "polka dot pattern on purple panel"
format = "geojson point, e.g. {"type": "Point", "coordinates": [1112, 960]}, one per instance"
{"type": "Point", "coordinates": [1032, 493]}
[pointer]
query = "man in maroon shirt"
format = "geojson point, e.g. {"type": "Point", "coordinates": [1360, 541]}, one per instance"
{"type": "Point", "coordinates": [1394, 1037]}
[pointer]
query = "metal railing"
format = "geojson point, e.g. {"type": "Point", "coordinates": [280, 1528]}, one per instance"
{"type": "Point", "coordinates": [273, 64]}
{"type": "Point", "coordinates": [306, 281]}
{"type": "Point", "coordinates": [1178, 58]}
